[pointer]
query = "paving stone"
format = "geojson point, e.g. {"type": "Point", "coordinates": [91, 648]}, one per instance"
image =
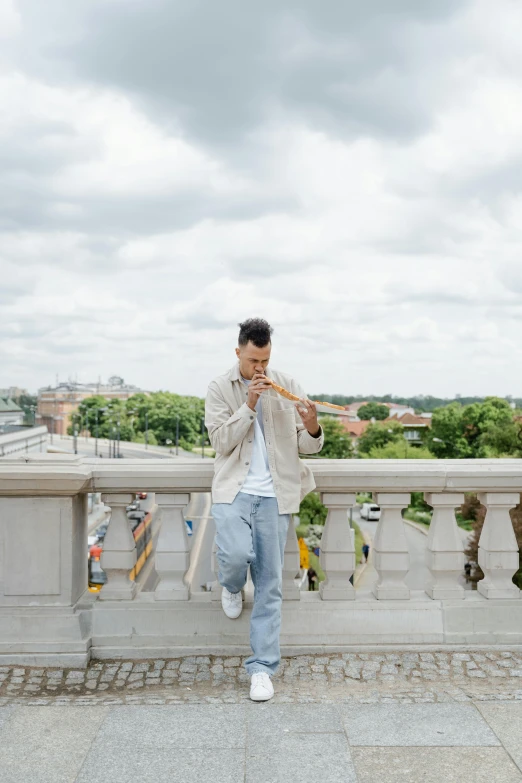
{"type": "Point", "coordinates": [325, 757]}
{"type": "Point", "coordinates": [141, 667]}
{"type": "Point", "coordinates": [164, 765]}
{"type": "Point", "coordinates": [506, 722]}
{"type": "Point", "coordinates": [45, 744]}
{"type": "Point", "coordinates": [433, 765]}
{"type": "Point", "coordinates": [416, 724]}
{"type": "Point", "coordinates": [231, 662]}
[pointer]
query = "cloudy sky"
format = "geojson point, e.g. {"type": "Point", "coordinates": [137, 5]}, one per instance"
{"type": "Point", "coordinates": [350, 171]}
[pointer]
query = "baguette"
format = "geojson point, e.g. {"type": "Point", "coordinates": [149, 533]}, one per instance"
{"type": "Point", "coordinates": [289, 396]}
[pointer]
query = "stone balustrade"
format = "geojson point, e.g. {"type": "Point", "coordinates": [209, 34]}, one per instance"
{"type": "Point", "coordinates": [48, 616]}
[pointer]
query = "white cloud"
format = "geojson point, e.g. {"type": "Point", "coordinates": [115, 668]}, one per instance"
{"type": "Point", "coordinates": [386, 256]}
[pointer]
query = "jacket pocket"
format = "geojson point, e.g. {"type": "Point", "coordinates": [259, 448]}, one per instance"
{"type": "Point", "coordinates": [284, 423]}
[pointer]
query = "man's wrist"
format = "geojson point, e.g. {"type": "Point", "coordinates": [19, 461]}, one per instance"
{"type": "Point", "coordinates": [315, 434]}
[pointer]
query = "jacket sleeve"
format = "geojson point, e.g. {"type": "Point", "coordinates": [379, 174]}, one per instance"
{"type": "Point", "coordinates": [306, 443]}
{"type": "Point", "coordinates": [225, 429]}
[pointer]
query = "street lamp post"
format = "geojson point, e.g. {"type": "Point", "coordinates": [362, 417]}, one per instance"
{"type": "Point", "coordinates": [75, 433]}
{"type": "Point", "coordinates": [146, 429]}
{"type": "Point", "coordinates": [98, 411]}
{"type": "Point", "coordinates": [177, 434]}
{"type": "Point", "coordinates": [118, 436]}
{"type": "Point", "coordinates": [202, 437]}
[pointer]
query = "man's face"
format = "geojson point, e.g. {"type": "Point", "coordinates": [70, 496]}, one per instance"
{"type": "Point", "coordinates": [252, 359]}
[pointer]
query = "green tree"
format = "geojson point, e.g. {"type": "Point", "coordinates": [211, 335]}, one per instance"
{"type": "Point", "coordinates": [373, 410]}
{"type": "Point", "coordinates": [312, 511]}
{"type": "Point", "coordinates": [481, 429]}
{"type": "Point", "coordinates": [337, 441]}
{"type": "Point", "coordinates": [399, 450]}
{"type": "Point", "coordinates": [502, 440]}
{"type": "Point", "coordinates": [157, 413]}
{"type": "Point", "coordinates": [26, 402]}
{"type": "Point", "coordinates": [379, 434]}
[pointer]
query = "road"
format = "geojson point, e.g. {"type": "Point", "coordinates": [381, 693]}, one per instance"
{"type": "Point", "coordinates": [86, 448]}
{"type": "Point", "coordinates": [417, 541]}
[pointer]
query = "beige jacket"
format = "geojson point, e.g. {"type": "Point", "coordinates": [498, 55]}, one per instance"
{"type": "Point", "coordinates": [230, 424]}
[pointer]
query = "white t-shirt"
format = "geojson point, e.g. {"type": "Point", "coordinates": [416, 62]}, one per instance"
{"type": "Point", "coordinates": [259, 479]}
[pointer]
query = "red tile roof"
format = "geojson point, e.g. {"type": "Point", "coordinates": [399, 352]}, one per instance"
{"type": "Point", "coordinates": [409, 419]}
{"type": "Point", "coordinates": [354, 428]}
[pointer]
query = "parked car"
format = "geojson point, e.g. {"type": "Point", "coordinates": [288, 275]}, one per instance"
{"type": "Point", "coordinates": [100, 531]}
{"type": "Point", "coordinates": [371, 512]}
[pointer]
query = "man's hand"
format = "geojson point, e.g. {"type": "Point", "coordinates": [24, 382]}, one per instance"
{"type": "Point", "coordinates": [308, 413]}
{"type": "Point", "coordinates": [257, 386]}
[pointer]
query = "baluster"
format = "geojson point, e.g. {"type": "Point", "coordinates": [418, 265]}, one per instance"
{"type": "Point", "coordinates": [391, 558]}
{"type": "Point", "coordinates": [337, 556]}
{"type": "Point", "coordinates": [118, 556]}
{"type": "Point", "coordinates": [172, 550]}
{"type": "Point", "coordinates": [498, 549]}
{"type": "Point", "coordinates": [444, 552]}
{"type": "Point", "coordinates": [291, 563]}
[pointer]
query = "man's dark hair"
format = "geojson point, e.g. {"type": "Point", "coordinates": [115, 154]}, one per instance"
{"type": "Point", "coordinates": [255, 330]}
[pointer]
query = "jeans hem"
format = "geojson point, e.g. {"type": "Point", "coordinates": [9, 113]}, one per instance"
{"type": "Point", "coordinates": [258, 669]}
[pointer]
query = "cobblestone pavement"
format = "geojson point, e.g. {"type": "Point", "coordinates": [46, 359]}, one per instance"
{"type": "Point", "coordinates": [401, 677]}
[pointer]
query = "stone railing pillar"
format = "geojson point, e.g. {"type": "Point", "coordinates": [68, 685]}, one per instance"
{"type": "Point", "coordinates": [498, 548]}
{"type": "Point", "coordinates": [118, 556]}
{"type": "Point", "coordinates": [172, 550]}
{"type": "Point", "coordinates": [291, 564]}
{"type": "Point", "coordinates": [444, 552]}
{"type": "Point", "coordinates": [337, 556]}
{"type": "Point", "coordinates": [391, 558]}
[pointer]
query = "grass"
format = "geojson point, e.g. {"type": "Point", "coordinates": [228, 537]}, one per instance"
{"type": "Point", "coordinates": [359, 541]}
{"type": "Point", "coordinates": [424, 518]}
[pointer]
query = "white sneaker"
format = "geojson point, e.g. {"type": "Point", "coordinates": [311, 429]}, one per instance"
{"type": "Point", "coordinates": [261, 688]}
{"type": "Point", "coordinates": [232, 603]}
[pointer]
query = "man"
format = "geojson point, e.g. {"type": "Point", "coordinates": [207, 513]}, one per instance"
{"type": "Point", "coordinates": [259, 481]}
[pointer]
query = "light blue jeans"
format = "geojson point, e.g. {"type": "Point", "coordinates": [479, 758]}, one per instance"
{"type": "Point", "coordinates": [250, 531]}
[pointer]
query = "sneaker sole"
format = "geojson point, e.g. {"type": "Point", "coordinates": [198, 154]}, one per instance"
{"type": "Point", "coordinates": [265, 698]}
{"type": "Point", "coordinates": [232, 616]}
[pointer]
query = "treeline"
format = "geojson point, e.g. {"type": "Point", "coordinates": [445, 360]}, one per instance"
{"type": "Point", "coordinates": [421, 403]}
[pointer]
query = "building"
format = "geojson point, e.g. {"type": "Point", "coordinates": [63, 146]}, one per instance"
{"type": "Point", "coordinates": [354, 428]}
{"type": "Point", "coordinates": [414, 426]}
{"type": "Point", "coordinates": [10, 413]}
{"type": "Point", "coordinates": [13, 392]}
{"type": "Point", "coordinates": [56, 404]}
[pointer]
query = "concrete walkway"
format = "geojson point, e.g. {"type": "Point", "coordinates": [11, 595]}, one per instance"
{"type": "Point", "coordinates": [337, 718]}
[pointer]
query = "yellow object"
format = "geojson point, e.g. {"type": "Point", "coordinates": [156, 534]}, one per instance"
{"type": "Point", "coordinates": [304, 554]}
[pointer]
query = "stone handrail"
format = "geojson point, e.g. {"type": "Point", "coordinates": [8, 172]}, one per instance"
{"type": "Point", "coordinates": [43, 520]}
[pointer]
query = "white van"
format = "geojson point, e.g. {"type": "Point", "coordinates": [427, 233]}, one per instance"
{"type": "Point", "coordinates": [371, 512]}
